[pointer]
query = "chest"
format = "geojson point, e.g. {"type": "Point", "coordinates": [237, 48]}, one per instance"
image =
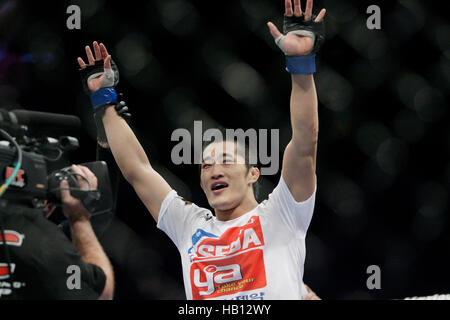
{"type": "Point", "coordinates": [215, 240]}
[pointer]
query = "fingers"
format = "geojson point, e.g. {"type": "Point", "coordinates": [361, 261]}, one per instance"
{"type": "Point", "coordinates": [65, 193]}
{"type": "Point", "coordinates": [320, 15]}
{"type": "Point", "coordinates": [314, 296]}
{"type": "Point", "coordinates": [297, 8]}
{"type": "Point", "coordinates": [103, 51]}
{"type": "Point", "coordinates": [81, 182]}
{"type": "Point", "coordinates": [90, 176]}
{"type": "Point", "coordinates": [105, 56]}
{"type": "Point", "coordinates": [311, 294]}
{"type": "Point", "coordinates": [72, 207]}
{"type": "Point", "coordinates": [274, 30]}
{"type": "Point", "coordinates": [89, 55]}
{"type": "Point", "coordinates": [81, 63]}
{"type": "Point", "coordinates": [308, 11]}
{"type": "Point", "coordinates": [84, 185]}
{"type": "Point", "coordinates": [288, 8]}
{"type": "Point", "coordinates": [107, 63]}
{"type": "Point", "coordinates": [85, 172]}
{"type": "Point", "coordinates": [98, 55]}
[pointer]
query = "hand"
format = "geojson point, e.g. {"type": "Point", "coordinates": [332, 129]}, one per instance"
{"type": "Point", "coordinates": [100, 54]}
{"type": "Point", "coordinates": [296, 45]}
{"type": "Point", "coordinates": [311, 294]}
{"type": "Point", "coordinates": [72, 207]}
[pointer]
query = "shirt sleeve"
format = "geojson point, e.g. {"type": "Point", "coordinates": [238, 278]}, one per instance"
{"type": "Point", "coordinates": [56, 256]}
{"type": "Point", "coordinates": [295, 215]}
{"type": "Point", "coordinates": [92, 282]}
{"type": "Point", "coordinates": [177, 215]}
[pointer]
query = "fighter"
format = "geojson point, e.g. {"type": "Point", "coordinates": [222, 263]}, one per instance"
{"type": "Point", "coordinates": [245, 250]}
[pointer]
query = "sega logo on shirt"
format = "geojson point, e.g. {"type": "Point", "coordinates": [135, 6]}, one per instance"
{"type": "Point", "coordinates": [229, 264]}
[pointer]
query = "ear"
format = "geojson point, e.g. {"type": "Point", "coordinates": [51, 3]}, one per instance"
{"type": "Point", "coordinates": [253, 174]}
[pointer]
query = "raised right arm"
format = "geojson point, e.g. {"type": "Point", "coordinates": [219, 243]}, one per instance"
{"type": "Point", "coordinates": [126, 149]}
{"type": "Point", "coordinates": [134, 163]}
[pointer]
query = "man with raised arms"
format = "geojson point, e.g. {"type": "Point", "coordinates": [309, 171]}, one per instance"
{"type": "Point", "coordinates": [245, 250]}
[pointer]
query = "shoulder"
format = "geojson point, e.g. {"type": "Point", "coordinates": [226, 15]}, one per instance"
{"type": "Point", "coordinates": [174, 204]}
{"type": "Point", "coordinates": [282, 193]}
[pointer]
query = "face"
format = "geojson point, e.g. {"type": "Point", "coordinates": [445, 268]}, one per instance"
{"type": "Point", "coordinates": [224, 177]}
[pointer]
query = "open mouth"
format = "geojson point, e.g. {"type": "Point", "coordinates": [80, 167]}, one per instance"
{"type": "Point", "coordinates": [219, 185]}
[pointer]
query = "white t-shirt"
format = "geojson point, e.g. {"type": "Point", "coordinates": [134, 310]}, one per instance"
{"type": "Point", "coordinates": [259, 255]}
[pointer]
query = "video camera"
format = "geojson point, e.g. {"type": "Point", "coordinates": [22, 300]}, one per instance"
{"type": "Point", "coordinates": [23, 163]}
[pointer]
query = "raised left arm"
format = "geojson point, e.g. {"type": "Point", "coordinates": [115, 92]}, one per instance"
{"type": "Point", "coordinates": [303, 35]}
{"type": "Point", "coordinates": [299, 160]}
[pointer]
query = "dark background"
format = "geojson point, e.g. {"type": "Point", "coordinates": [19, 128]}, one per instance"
{"type": "Point", "coordinates": [383, 161]}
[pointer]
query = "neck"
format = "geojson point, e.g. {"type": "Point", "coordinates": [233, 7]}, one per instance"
{"type": "Point", "coordinates": [245, 206]}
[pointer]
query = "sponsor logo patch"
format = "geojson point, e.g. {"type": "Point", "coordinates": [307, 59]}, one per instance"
{"type": "Point", "coordinates": [227, 264]}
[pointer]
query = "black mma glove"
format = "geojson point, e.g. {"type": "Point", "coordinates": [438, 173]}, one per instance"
{"type": "Point", "coordinates": [111, 75]}
{"type": "Point", "coordinates": [304, 64]}
{"type": "Point", "coordinates": [311, 29]}
{"type": "Point", "coordinates": [105, 97]}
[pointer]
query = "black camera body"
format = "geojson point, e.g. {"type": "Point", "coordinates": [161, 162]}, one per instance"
{"type": "Point", "coordinates": [90, 198]}
{"type": "Point", "coordinates": [32, 185]}
{"type": "Point", "coordinates": [54, 180]}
